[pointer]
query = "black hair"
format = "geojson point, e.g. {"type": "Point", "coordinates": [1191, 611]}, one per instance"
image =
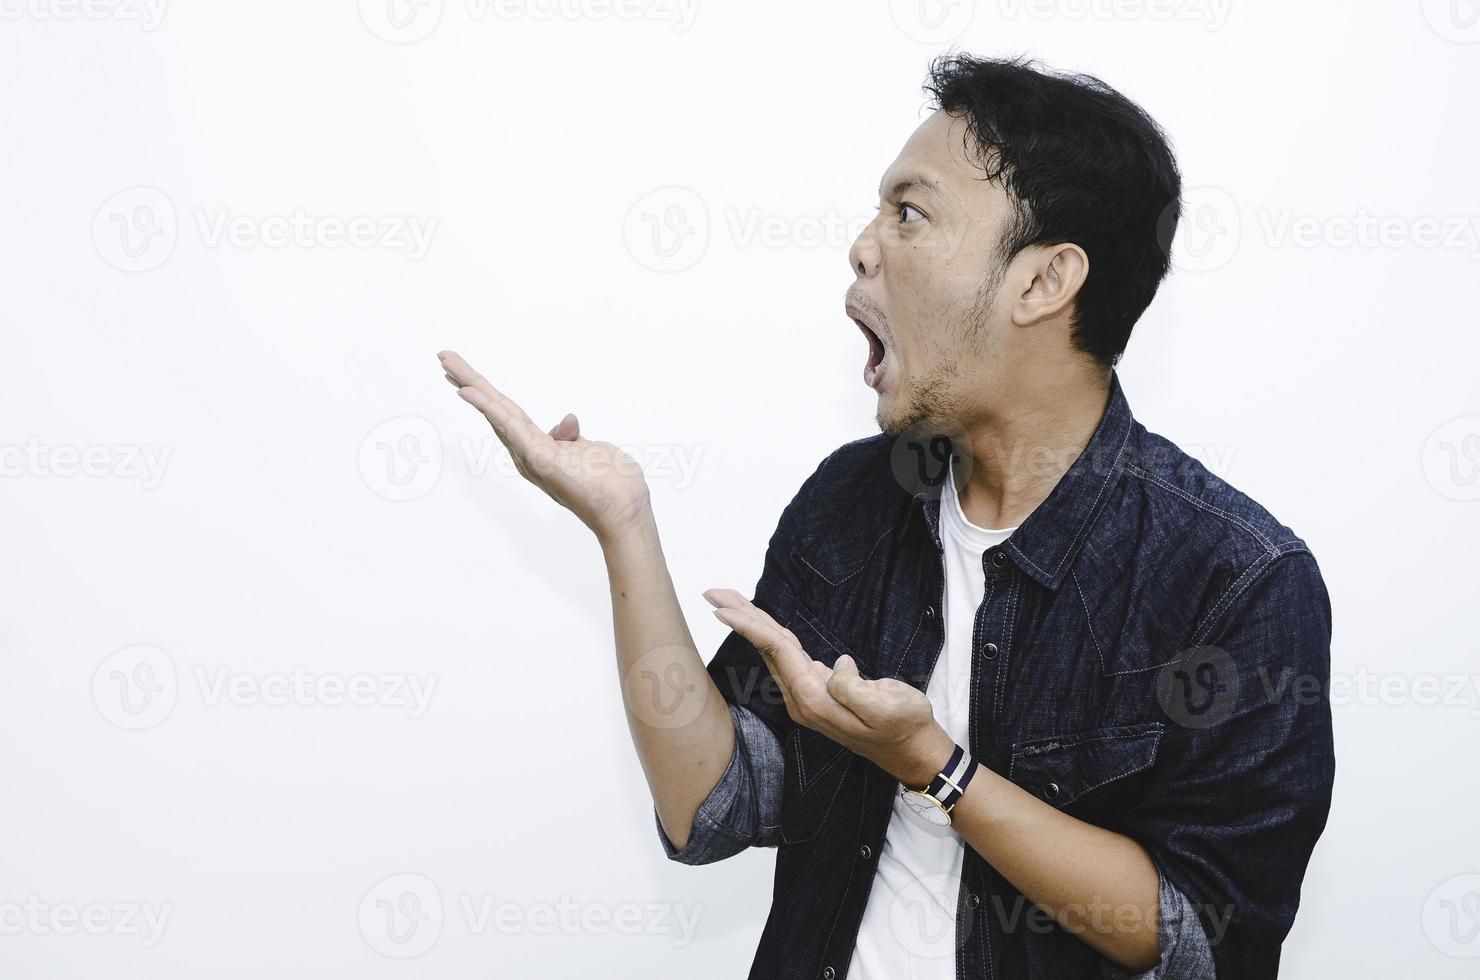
{"type": "Point", "coordinates": [1083, 164]}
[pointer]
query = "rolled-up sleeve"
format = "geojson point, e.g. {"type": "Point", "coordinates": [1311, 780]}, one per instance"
{"type": "Point", "coordinates": [1240, 794]}
{"type": "Point", "coordinates": [743, 810]}
{"type": "Point", "coordinates": [1185, 954]}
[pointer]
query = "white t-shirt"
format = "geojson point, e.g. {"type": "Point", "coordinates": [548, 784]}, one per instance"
{"type": "Point", "coordinates": [909, 925]}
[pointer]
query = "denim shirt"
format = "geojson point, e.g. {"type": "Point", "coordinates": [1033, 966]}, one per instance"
{"type": "Point", "coordinates": [1152, 655]}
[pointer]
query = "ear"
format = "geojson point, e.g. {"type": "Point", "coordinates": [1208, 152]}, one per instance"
{"type": "Point", "coordinates": [1057, 274]}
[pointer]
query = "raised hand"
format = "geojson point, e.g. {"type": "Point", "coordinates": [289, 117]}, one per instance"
{"type": "Point", "coordinates": [886, 721]}
{"type": "Point", "coordinates": [596, 481]}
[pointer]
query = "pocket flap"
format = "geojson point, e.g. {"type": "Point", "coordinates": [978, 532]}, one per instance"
{"type": "Point", "coordinates": [1060, 769]}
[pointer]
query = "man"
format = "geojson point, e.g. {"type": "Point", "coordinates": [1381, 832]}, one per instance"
{"type": "Point", "coordinates": [1002, 698]}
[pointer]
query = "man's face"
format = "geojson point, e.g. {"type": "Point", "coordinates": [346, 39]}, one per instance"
{"type": "Point", "coordinates": [926, 274]}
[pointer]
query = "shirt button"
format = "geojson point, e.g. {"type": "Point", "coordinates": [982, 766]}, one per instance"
{"type": "Point", "coordinates": [999, 559]}
{"type": "Point", "coordinates": [828, 973]}
{"type": "Point", "coordinates": [973, 900]}
{"type": "Point", "coordinates": [990, 651]}
{"type": "Point", "coordinates": [929, 612]}
{"type": "Point", "coordinates": [865, 852]}
{"type": "Point", "coordinates": [1051, 791]}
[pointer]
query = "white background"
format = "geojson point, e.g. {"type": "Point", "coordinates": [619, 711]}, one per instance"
{"type": "Point", "coordinates": [288, 395]}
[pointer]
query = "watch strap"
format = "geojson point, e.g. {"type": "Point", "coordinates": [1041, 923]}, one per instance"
{"type": "Point", "coordinates": [950, 783]}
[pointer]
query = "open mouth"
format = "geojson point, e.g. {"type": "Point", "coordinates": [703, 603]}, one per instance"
{"type": "Point", "coordinates": [873, 369]}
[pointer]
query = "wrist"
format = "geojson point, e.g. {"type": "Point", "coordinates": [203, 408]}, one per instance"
{"type": "Point", "coordinates": [927, 758]}
{"type": "Point", "coordinates": [636, 532]}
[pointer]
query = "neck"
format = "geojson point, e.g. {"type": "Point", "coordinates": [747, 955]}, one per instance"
{"type": "Point", "coordinates": [1023, 448]}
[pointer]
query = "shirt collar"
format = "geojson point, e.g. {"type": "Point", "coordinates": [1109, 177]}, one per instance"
{"type": "Point", "coordinates": [1045, 543]}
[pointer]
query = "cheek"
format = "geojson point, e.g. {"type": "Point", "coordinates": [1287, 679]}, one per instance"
{"type": "Point", "coordinates": [929, 297]}
{"type": "Point", "coordinates": [916, 283]}
{"type": "Point", "coordinates": [941, 265]}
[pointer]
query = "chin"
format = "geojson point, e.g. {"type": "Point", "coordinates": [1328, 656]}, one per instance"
{"type": "Point", "coordinates": [924, 406]}
{"type": "Point", "coordinates": [893, 418]}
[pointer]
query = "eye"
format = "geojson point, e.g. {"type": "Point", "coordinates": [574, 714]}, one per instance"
{"type": "Point", "coordinates": [908, 212]}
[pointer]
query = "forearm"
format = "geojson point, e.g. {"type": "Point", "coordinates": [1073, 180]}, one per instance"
{"type": "Point", "coordinates": [680, 724]}
{"type": "Point", "coordinates": [1099, 885]}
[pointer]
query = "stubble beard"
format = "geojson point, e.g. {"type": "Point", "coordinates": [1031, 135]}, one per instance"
{"type": "Point", "coordinates": [930, 405]}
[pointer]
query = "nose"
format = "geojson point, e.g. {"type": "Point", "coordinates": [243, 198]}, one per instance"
{"type": "Point", "coordinates": [863, 257]}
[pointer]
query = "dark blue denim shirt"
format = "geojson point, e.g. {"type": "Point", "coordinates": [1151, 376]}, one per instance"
{"type": "Point", "coordinates": [1151, 655]}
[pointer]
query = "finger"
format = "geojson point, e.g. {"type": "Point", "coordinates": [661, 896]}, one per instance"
{"type": "Point", "coordinates": [724, 597]}
{"type": "Point", "coordinates": [849, 689]}
{"type": "Point", "coordinates": [451, 380]}
{"type": "Point", "coordinates": [567, 429]}
{"type": "Point", "coordinates": [783, 655]}
{"type": "Point", "coordinates": [767, 635]}
{"type": "Point", "coordinates": [509, 422]}
{"type": "Point", "coordinates": [803, 681]}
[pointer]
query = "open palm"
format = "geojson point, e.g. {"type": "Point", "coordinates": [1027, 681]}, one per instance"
{"type": "Point", "coordinates": [596, 481]}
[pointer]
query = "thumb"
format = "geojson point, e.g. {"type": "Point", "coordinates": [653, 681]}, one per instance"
{"type": "Point", "coordinates": [567, 429]}
{"type": "Point", "coordinates": [848, 686]}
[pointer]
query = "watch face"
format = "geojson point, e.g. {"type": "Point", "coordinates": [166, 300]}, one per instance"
{"type": "Point", "coordinates": [925, 806]}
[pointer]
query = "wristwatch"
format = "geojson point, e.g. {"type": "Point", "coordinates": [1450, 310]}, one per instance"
{"type": "Point", "coordinates": [933, 804]}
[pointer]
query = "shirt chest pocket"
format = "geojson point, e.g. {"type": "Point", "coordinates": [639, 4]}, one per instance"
{"type": "Point", "coordinates": [1091, 774]}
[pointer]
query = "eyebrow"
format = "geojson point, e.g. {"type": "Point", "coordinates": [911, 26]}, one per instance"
{"type": "Point", "coordinates": [912, 180]}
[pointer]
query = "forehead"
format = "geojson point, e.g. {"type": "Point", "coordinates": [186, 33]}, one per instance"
{"type": "Point", "coordinates": [936, 154]}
